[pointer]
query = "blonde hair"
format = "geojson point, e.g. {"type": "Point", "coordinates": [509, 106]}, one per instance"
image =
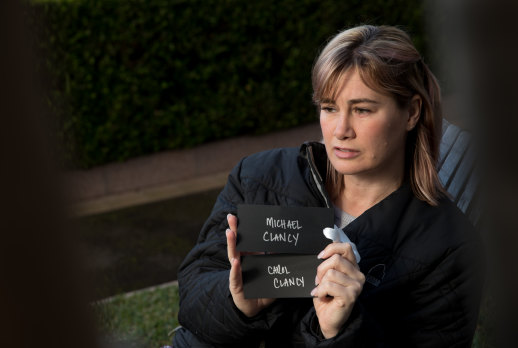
{"type": "Point", "coordinates": [387, 62]}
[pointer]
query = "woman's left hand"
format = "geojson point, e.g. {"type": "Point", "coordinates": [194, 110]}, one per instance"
{"type": "Point", "coordinates": [340, 282]}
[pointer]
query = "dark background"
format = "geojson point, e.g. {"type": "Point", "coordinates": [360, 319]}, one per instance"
{"type": "Point", "coordinates": [129, 78]}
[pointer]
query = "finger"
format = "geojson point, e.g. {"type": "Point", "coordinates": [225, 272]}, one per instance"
{"type": "Point", "coordinates": [231, 246]}
{"type": "Point", "coordinates": [232, 222]}
{"type": "Point", "coordinates": [343, 249]}
{"type": "Point", "coordinates": [346, 290]}
{"type": "Point", "coordinates": [328, 290]}
{"type": "Point", "coordinates": [235, 278]}
{"type": "Point", "coordinates": [355, 283]}
{"type": "Point", "coordinates": [340, 264]}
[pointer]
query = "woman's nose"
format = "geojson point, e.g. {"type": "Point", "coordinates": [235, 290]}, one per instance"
{"type": "Point", "coordinates": [344, 128]}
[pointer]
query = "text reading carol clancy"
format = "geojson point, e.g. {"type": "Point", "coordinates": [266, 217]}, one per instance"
{"type": "Point", "coordinates": [286, 281]}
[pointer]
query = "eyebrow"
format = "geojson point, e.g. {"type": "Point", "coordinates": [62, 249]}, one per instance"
{"type": "Point", "coordinates": [352, 101]}
{"type": "Point", "coordinates": [362, 100]}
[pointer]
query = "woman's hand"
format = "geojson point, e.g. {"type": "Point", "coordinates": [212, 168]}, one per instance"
{"type": "Point", "coordinates": [249, 307]}
{"type": "Point", "coordinates": [340, 282]}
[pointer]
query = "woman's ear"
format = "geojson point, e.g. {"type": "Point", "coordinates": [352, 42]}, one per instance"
{"type": "Point", "coordinates": [414, 112]}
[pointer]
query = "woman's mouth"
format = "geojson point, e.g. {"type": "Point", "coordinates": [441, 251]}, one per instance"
{"type": "Point", "coordinates": [345, 153]}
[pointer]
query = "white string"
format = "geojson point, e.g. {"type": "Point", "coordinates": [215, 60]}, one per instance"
{"type": "Point", "coordinates": [337, 235]}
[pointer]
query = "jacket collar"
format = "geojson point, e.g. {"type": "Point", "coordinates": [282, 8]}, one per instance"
{"type": "Point", "coordinates": [316, 157]}
{"type": "Point", "coordinates": [319, 156]}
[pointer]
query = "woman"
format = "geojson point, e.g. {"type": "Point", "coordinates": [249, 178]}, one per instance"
{"type": "Point", "coordinates": [417, 281]}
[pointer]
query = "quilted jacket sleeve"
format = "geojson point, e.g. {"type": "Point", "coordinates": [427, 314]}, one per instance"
{"type": "Point", "coordinates": [206, 306]}
{"type": "Point", "coordinates": [444, 311]}
{"type": "Point", "coordinates": [447, 300]}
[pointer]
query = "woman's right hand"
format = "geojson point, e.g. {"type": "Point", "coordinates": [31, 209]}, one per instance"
{"type": "Point", "coordinates": [249, 307]}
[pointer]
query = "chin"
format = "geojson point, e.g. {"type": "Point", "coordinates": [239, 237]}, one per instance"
{"type": "Point", "coordinates": [348, 170]}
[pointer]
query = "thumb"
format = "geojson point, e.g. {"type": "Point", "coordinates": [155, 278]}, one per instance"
{"type": "Point", "coordinates": [235, 278]}
{"type": "Point", "coordinates": [232, 222]}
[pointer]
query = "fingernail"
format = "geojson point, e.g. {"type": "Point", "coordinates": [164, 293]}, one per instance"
{"type": "Point", "coordinates": [314, 292]}
{"type": "Point", "coordinates": [321, 255]}
{"type": "Point", "coordinates": [316, 280]}
{"type": "Point", "coordinates": [229, 215]}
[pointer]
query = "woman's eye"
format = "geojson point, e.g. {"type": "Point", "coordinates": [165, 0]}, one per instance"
{"type": "Point", "coordinates": [328, 108]}
{"type": "Point", "coordinates": [362, 111]}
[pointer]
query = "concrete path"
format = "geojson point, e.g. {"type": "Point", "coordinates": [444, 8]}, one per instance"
{"type": "Point", "coordinates": [172, 173]}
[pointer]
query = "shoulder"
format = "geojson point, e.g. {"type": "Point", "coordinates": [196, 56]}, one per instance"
{"type": "Point", "coordinates": [444, 221]}
{"type": "Point", "coordinates": [436, 231]}
{"type": "Point", "coordinates": [264, 165]}
{"type": "Point", "coordinates": [265, 159]}
{"type": "Point", "coordinates": [278, 176]}
{"type": "Point", "coordinates": [412, 228]}
{"type": "Point", "coordinates": [286, 159]}
{"type": "Point", "coordinates": [278, 162]}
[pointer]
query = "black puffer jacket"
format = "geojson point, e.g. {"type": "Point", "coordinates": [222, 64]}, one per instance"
{"type": "Point", "coordinates": [421, 264]}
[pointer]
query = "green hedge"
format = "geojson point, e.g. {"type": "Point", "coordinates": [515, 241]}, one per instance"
{"type": "Point", "coordinates": [137, 77]}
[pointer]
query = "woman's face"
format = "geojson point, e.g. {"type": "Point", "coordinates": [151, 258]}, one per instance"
{"type": "Point", "coordinates": [365, 131]}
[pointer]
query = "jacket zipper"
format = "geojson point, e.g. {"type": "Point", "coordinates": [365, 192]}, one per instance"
{"type": "Point", "coordinates": [316, 176]}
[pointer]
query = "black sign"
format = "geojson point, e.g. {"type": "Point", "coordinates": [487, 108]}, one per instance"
{"type": "Point", "coordinates": [280, 275]}
{"type": "Point", "coordinates": [296, 230]}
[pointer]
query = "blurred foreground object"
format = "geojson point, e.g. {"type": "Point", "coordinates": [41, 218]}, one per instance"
{"type": "Point", "coordinates": [42, 297]}
{"type": "Point", "coordinates": [480, 55]}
